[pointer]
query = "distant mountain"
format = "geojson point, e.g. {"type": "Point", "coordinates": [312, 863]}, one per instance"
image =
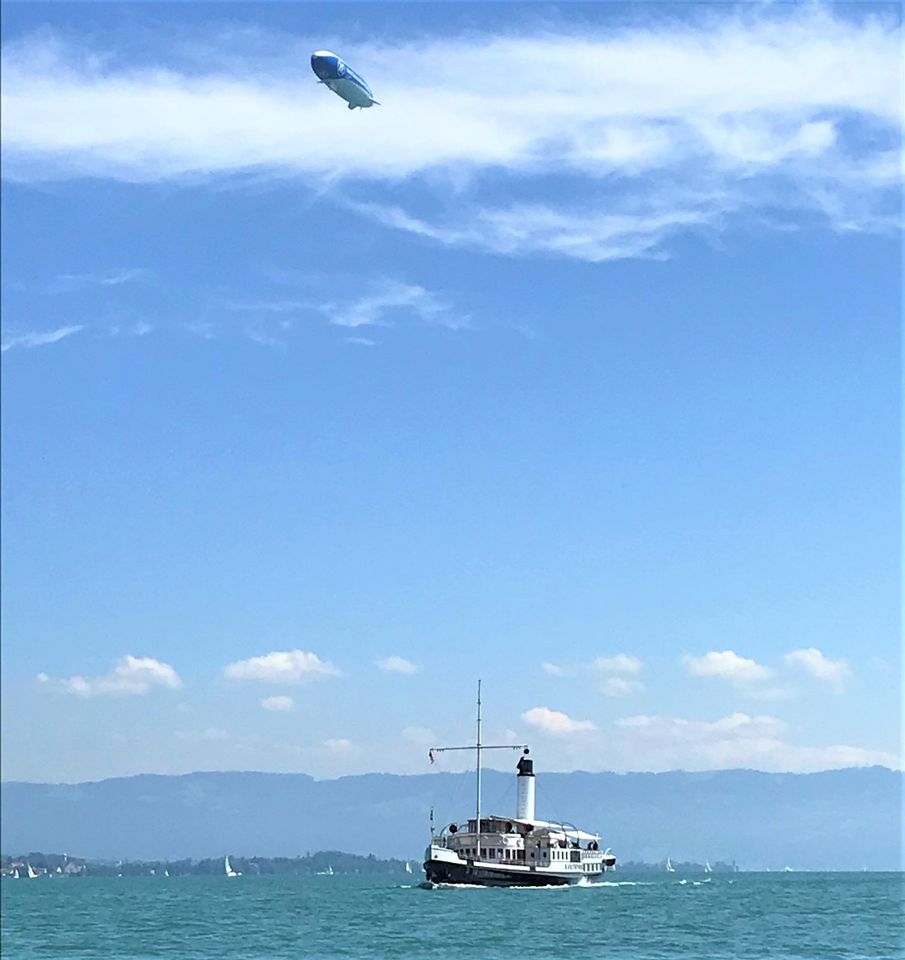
{"type": "Point", "coordinates": [840, 819]}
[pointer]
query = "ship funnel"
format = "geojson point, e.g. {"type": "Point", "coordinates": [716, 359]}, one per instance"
{"type": "Point", "coordinates": [525, 794]}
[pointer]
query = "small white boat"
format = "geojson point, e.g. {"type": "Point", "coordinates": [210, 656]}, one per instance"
{"type": "Point", "coordinates": [325, 873]}
{"type": "Point", "coordinates": [166, 872]}
{"type": "Point", "coordinates": [227, 866]}
{"type": "Point", "coordinates": [669, 867]}
{"type": "Point", "coordinates": [707, 867]}
{"type": "Point", "coordinates": [15, 873]}
{"type": "Point", "coordinates": [408, 867]}
{"type": "Point", "coordinates": [31, 873]}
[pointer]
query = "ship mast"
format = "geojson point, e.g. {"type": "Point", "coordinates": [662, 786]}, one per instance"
{"type": "Point", "coordinates": [478, 770]}
{"type": "Point", "coordinates": [478, 747]}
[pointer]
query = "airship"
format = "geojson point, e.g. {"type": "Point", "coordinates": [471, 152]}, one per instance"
{"type": "Point", "coordinates": [336, 74]}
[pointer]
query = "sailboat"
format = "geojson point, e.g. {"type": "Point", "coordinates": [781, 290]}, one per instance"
{"type": "Point", "coordinates": [31, 873]}
{"type": "Point", "coordinates": [325, 873]}
{"type": "Point", "coordinates": [669, 867]}
{"type": "Point", "coordinates": [166, 872]}
{"type": "Point", "coordinates": [707, 867]}
{"type": "Point", "coordinates": [408, 867]}
{"type": "Point", "coordinates": [228, 868]}
{"type": "Point", "coordinates": [15, 873]}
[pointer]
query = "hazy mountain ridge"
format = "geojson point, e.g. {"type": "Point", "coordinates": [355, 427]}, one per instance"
{"type": "Point", "coordinates": [842, 819]}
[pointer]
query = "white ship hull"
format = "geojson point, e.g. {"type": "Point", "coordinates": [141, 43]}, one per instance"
{"type": "Point", "coordinates": [445, 866]}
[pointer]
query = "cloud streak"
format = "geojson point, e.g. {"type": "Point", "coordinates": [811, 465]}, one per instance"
{"type": "Point", "coordinates": [672, 128]}
{"type": "Point", "coordinates": [39, 339]}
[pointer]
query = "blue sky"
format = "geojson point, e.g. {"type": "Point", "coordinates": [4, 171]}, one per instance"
{"type": "Point", "coordinates": [574, 366]}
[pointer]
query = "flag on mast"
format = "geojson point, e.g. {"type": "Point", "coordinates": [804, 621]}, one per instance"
{"type": "Point", "coordinates": [430, 753]}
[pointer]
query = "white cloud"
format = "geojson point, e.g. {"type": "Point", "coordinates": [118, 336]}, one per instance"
{"type": "Point", "coordinates": [116, 278]}
{"type": "Point", "coordinates": [621, 687]}
{"type": "Point", "coordinates": [678, 125]}
{"type": "Point", "coordinates": [552, 721]}
{"type": "Point", "coordinates": [736, 740]}
{"type": "Point", "coordinates": [129, 676]}
{"type": "Point", "coordinates": [554, 669]}
{"type": "Point", "coordinates": [620, 663]}
{"type": "Point", "coordinates": [397, 665]}
{"type": "Point", "coordinates": [390, 296]}
{"type": "Point", "coordinates": [208, 735]}
{"type": "Point", "coordinates": [835, 672]}
{"type": "Point", "coordinates": [279, 704]}
{"type": "Point", "coordinates": [39, 339]}
{"type": "Point", "coordinates": [338, 745]}
{"type": "Point", "coordinates": [284, 666]}
{"type": "Point", "coordinates": [729, 666]}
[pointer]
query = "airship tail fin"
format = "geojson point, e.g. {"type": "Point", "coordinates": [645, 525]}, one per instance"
{"type": "Point", "coordinates": [375, 103]}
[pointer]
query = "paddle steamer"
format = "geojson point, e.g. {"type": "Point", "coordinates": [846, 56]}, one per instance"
{"type": "Point", "coordinates": [512, 851]}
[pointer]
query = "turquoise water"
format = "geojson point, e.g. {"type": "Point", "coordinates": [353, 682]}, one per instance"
{"type": "Point", "coordinates": [820, 916]}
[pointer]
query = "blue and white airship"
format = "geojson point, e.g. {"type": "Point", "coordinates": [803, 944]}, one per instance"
{"type": "Point", "coordinates": [335, 73]}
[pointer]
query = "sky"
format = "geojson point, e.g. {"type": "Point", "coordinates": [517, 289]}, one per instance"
{"type": "Point", "coordinates": [574, 366]}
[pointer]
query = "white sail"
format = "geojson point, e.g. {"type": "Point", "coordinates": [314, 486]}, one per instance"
{"type": "Point", "coordinates": [31, 873]}
{"type": "Point", "coordinates": [408, 867]}
{"type": "Point", "coordinates": [707, 867]}
{"type": "Point", "coordinates": [228, 868]}
{"type": "Point", "coordinates": [669, 867]}
{"type": "Point", "coordinates": [15, 873]}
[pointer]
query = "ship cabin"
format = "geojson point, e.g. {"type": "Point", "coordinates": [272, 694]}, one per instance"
{"type": "Point", "coordinates": [534, 843]}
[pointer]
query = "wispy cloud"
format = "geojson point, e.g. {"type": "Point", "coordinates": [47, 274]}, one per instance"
{"type": "Point", "coordinates": [130, 676]}
{"type": "Point", "coordinates": [280, 704]}
{"type": "Point", "coordinates": [39, 339]}
{"type": "Point", "coordinates": [74, 281]}
{"type": "Point", "coordinates": [281, 666]}
{"type": "Point", "coordinates": [140, 328]}
{"type": "Point", "coordinates": [423, 736]}
{"type": "Point", "coordinates": [208, 735]}
{"type": "Point", "coordinates": [554, 669]}
{"type": "Point", "coordinates": [389, 297]}
{"type": "Point", "coordinates": [397, 665]}
{"type": "Point", "coordinates": [736, 740]}
{"type": "Point", "coordinates": [678, 126]}
{"type": "Point", "coordinates": [555, 722]}
{"type": "Point", "coordinates": [620, 687]}
{"type": "Point", "coordinates": [834, 672]}
{"type": "Point", "coordinates": [620, 663]}
{"type": "Point", "coordinates": [339, 746]}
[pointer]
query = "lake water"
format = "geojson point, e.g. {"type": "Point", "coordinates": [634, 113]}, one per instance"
{"type": "Point", "coordinates": [792, 915]}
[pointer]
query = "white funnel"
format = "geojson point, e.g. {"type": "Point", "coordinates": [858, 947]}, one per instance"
{"type": "Point", "coordinates": [525, 794]}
